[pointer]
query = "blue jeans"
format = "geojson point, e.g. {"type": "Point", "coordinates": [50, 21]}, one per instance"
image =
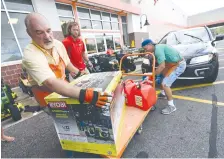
{"type": "Point", "coordinates": [168, 81]}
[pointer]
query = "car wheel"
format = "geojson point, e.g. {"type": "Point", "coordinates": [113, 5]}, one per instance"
{"type": "Point", "coordinates": [213, 76]}
{"type": "Point", "coordinates": [15, 113]}
{"type": "Point", "coordinates": [133, 67]}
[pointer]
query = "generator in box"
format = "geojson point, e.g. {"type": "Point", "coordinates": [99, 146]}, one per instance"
{"type": "Point", "coordinates": [86, 127]}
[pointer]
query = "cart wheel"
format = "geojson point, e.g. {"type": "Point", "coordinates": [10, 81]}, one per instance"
{"type": "Point", "coordinates": [153, 108]}
{"type": "Point", "coordinates": [139, 131]}
{"type": "Point", "coordinates": [69, 154]}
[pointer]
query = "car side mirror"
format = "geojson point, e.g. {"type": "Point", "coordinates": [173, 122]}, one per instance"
{"type": "Point", "coordinates": [218, 38]}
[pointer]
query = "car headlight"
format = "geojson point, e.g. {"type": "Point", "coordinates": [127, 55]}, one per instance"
{"type": "Point", "coordinates": [129, 57]}
{"type": "Point", "coordinates": [111, 62]}
{"type": "Point", "coordinates": [201, 59]}
{"type": "Point", "coordinates": [146, 61]}
{"type": "Point", "coordinates": [96, 61]}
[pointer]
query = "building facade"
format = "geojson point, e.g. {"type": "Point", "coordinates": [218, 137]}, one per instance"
{"type": "Point", "coordinates": [104, 24]}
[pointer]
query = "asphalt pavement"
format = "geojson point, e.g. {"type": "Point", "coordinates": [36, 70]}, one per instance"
{"type": "Point", "coordinates": [196, 129]}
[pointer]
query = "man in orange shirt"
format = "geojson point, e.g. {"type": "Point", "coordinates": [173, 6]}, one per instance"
{"type": "Point", "coordinates": [75, 47]}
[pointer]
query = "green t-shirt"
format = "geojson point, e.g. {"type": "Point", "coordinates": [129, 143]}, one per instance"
{"type": "Point", "coordinates": [166, 53]}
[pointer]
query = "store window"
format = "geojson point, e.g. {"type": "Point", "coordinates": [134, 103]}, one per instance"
{"type": "Point", "coordinates": [117, 42]}
{"type": "Point", "coordinates": [14, 36]}
{"type": "Point", "coordinates": [125, 30]}
{"type": "Point", "coordinates": [17, 20]}
{"type": "Point", "coordinates": [65, 13]}
{"type": "Point", "coordinates": [100, 44]}
{"type": "Point", "coordinates": [85, 24]}
{"type": "Point", "coordinates": [115, 26]}
{"type": "Point", "coordinates": [2, 7]}
{"type": "Point", "coordinates": [9, 48]}
{"type": "Point", "coordinates": [83, 13]}
{"type": "Point", "coordinates": [92, 19]}
{"type": "Point", "coordinates": [95, 15]}
{"type": "Point", "coordinates": [106, 26]}
{"type": "Point", "coordinates": [90, 45]}
{"type": "Point", "coordinates": [19, 5]}
{"type": "Point", "coordinates": [114, 18]}
{"type": "Point", "coordinates": [109, 42]}
{"type": "Point", "coordinates": [97, 25]}
{"type": "Point", "coordinates": [106, 16]}
{"type": "Point", "coordinates": [64, 10]}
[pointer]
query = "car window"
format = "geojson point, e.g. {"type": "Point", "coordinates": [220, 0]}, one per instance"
{"type": "Point", "coordinates": [188, 36]}
{"type": "Point", "coordinates": [164, 40]}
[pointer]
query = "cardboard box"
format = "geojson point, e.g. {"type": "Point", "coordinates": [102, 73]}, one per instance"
{"type": "Point", "coordinates": [85, 127]}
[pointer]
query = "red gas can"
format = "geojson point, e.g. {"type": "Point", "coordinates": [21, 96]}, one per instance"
{"type": "Point", "coordinates": [141, 95]}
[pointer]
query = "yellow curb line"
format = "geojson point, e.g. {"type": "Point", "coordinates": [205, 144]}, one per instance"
{"type": "Point", "coordinates": [196, 86]}
{"type": "Point", "coordinates": [193, 86]}
{"type": "Point", "coordinates": [197, 100]}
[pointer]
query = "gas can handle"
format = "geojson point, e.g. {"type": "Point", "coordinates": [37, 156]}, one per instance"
{"type": "Point", "coordinates": [146, 82]}
{"type": "Point", "coordinates": [138, 85]}
{"type": "Point", "coordinates": [128, 81]}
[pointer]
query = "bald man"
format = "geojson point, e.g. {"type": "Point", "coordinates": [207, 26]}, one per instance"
{"type": "Point", "coordinates": [45, 60]}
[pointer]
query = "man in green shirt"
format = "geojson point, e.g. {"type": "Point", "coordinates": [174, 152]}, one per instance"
{"type": "Point", "coordinates": [171, 66]}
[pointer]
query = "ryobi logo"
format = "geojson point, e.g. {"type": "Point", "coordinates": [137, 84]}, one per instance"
{"type": "Point", "coordinates": [57, 105]}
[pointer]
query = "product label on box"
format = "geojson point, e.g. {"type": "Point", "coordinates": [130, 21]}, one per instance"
{"type": "Point", "coordinates": [82, 123]}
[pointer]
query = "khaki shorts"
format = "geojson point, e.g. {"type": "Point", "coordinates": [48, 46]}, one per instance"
{"type": "Point", "coordinates": [168, 81]}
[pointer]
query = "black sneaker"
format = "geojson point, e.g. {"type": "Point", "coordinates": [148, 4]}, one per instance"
{"type": "Point", "coordinates": [161, 96]}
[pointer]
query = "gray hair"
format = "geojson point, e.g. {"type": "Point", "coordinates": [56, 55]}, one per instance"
{"type": "Point", "coordinates": [29, 16]}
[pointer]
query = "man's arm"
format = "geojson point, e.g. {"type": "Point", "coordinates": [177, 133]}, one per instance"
{"type": "Point", "coordinates": [160, 68]}
{"type": "Point", "coordinates": [85, 56]}
{"type": "Point", "coordinates": [72, 69]}
{"type": "Point", "coordinates": [83, 95]}
{"type": "Point", "coordinates": [62, 87]}
{"type": "Point", "coordinates": [160, 57]}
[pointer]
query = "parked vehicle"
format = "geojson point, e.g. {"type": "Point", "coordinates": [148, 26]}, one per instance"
{"type": "Point", "coordinates": [197, 46]}
{"type": "Point", "coordinates": [96, 66]}
{"type": "Point", "coordinates": [147, 64]}
{"type": "Point", "coordinates": [128, 63]}
{"type": "Point", "coordinates": [108, 63]}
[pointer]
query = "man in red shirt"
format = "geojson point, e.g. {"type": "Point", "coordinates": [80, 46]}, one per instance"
{"type": "Point", "coordinates": [75, 47]}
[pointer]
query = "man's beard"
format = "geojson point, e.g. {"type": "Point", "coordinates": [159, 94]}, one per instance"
{"type": "Point", "coordinates": [75, 36]}
{"type": "Point", "coordinates": [48, 46]}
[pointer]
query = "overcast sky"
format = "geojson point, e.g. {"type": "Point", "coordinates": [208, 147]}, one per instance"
{"type": "Point", "coordinates": [191, 7]}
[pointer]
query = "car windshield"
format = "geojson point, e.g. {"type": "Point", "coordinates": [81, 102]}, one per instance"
{"type": "Point", "coordinates": [185, 37]}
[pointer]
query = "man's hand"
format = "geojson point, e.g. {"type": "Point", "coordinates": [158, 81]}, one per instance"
{"type": "Point", "coordinates": [83, 72]}
{"type": "Point", "coordinates": [74, 75]}
{"type": "Point", "coordinates": [159, 79]}
{"type": "Point", "coordinates": [90, 64]}
{"type": "Point", "coordinates": [100, 99]}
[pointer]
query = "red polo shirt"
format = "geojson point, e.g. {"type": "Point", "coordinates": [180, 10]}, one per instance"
{"type": "Point", "coordinates": [76, 49]}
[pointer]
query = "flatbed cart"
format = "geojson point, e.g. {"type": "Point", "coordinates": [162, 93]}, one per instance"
{"type": "Point", "coordinates": [85, 120]}
{"type": "Point", "coordinates": [134, 117]}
